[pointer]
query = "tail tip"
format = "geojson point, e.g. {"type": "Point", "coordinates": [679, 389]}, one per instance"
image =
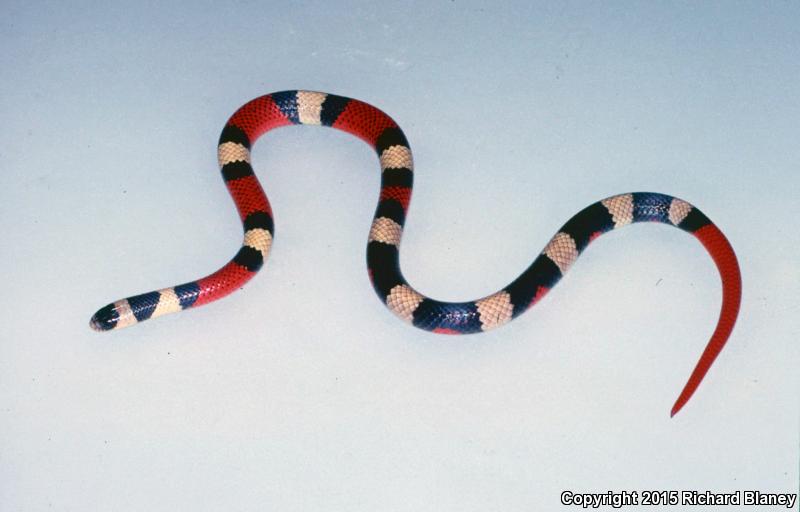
{"type": "Point", "coordinates": [678, 406]}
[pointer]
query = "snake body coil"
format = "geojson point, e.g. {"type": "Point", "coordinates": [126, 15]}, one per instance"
{"type": "Point", "coordinates": [382, 133]}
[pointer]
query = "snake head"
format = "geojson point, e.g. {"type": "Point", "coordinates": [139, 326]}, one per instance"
{"type": "Point", "coordinates": [105, 319]}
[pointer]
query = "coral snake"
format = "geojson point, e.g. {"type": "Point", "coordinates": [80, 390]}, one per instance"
{"type": "Point", "coordinates": [382, 133]}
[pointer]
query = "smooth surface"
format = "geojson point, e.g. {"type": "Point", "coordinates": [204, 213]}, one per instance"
{"type": "Point", "coordinates": [302, 392]}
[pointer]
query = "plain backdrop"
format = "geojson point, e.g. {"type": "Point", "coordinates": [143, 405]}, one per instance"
{"type": "Point", "coordinates": [301, 391]}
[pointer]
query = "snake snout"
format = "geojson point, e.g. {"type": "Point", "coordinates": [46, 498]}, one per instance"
{"type": "Point", "coordinates": [105, 319]}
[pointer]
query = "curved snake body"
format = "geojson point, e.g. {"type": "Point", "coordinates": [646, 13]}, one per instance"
{"type": "Point", "coordinates": [382, 133]}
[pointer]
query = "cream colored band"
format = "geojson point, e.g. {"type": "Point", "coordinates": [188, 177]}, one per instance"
{"type": "Point", "coordinates": [678, 210]}
{"type": "Point", "coordinates": [125, 314]}
{"type": "Point", "coordinates": [259, 239]}
{"type": "Point", "coordinates": [495, 310]}
{"type": "Point", "coordinates": [621, 209]}
{"type": "Point", "coordinates": [309, 106]}
{"type": "Point", "coordinates": [562, 250]}
{"type": "Point", "coordinates": [395, 157]}
{"type": "Point", "coordinates": [385, 230]}
{"type": "Point", "coordinates": [403, 301]}
{"type": "Point", "coordinates": [228, 152]}
{"type": "Point", "coordinates": [168, 302]}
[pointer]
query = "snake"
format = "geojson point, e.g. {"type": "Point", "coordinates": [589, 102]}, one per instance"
{"type": "Point", "coordinates": [382, 133]}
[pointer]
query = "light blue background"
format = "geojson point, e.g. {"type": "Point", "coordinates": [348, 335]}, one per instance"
{"type": "Point", "coordinates": [301, 392]}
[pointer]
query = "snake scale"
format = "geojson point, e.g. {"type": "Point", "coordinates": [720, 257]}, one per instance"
{"type": "Point", "coordinates": [370, 124]}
